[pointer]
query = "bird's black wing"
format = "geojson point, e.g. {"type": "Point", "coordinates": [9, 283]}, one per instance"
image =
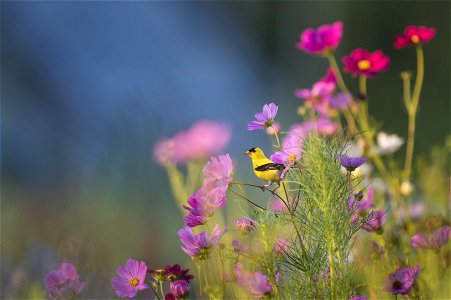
{"type": "Point", "coordinates": [270, 166]}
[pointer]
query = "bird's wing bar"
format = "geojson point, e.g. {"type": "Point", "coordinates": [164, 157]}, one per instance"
{"type": "Point", "coordinates": [270, 166]}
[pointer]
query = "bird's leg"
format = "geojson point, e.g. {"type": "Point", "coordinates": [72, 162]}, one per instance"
{"type": "Point", "coordinates": [268, 184]}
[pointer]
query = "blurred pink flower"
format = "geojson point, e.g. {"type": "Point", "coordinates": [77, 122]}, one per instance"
{"type": "Point", "coordinates": [290, 152]}
{"type": "Point", "coordinates": [63, 283]}
{"type": "Point", "coordinates": [281, 246]}
{"type": "Point", "coordinates": [273, 129]}
{"type": "Point", "coordinates": [322, 126]}
{"type": "Point", "coordinates": [432, 241]}
{"type": "Point", "coordinates": [330, 77]}
{"type": "Point", "coordinates": [321, 40]}
{"type": "Point", "coordinates": [131, 279]}
{"type": "Point", "coordinates": [362, 62]}
{"type": "Point", "coordinates": [201, 140]}
{"type": "Point", "coordinates": [256, 283]}
{"type": "Point", "coordinates": [277, 205]}
{"type": "Point", "coordinates": [359, 205]}
{"type": "Point", "coordinates": [318, 96]}
{"type": "Point", "coordinates": [414, 35]}
{"type": "Point", "coordinates": [202, 205]}
{"type": "Point", "coordinates": [180, 289]}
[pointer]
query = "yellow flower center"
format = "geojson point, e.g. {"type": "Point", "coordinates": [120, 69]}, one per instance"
{"type": "Point", "coordinates": [364, 64]}
{"type": "Point", "coordinates": [134, 281]}
{"type": "Point", "coordinates": [415, 39]}
{"type": "Point", "coordinates": [291, 158]}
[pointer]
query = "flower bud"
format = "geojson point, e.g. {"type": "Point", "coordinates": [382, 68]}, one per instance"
{"type": "Point", "coordinates": [406, 188]}
{"type": "Point", "coordinates": [244, 225]}
{"type": "Point", "coordinates": [180, 288]}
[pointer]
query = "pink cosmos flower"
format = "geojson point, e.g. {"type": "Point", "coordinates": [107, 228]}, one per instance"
{"type": "Point", "coordinates": [414, 35]}
{"type": "Point", "coordinates": [322, 126]}
{"type": "Point", "coordinates": [401, 281]}
{"type": "Point", "coordinates": [63, 283]}
{"type": "Point", "coordinates": [318, 96]}
{"type": "Point", "coordinates": [432, 241]}
{"type": "Point", "coordinates": [256, 283]}
{"type": "Point", "coordinates": [265, 118]}
{"type": "Point", "coordinates": [202, 139]}
{"type": "Point", "coordinates": [218, 173]}
{"type": "Point", "coordinates": [131, 279]}
{"type": "Point", "coordinates": [290, 152]}
{"type": "Point", "coordinates": [199, 245]}
{"type": "Point", "coordinates": [324, 39]}
{"type": "Point", "coordinates": [362, 62]}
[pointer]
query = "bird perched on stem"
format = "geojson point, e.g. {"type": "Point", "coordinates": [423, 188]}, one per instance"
{"type": "Point", "coordinates": [264, 168]}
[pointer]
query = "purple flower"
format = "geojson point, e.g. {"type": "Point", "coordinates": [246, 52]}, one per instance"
{"type": "Point", "coordinates": [374, 221]}
{"type": "Point", "coordinates": [340, 101]}
{"type": "Point", "coordinates": [256, 283]}
{"type": "Point", "coordinates": [202, 205]}
{"type": "Point", "coordinates": [264, 118]}
{"type": "Point", "coordinates": [239, 247]}
{"type": "Point", "coordinates": [401, 281]}
{"type": "Point", "coordinates": [244, 225]}
{"type": "Point", "coordinates": [63, 283]}
{"type": "Point", "coordinates": [201, 140]}
{"type": "Point", "coordinates": [290, 152]}
{"type": "Point", "coordinates": [199, 246]}
{"type": "Point", "coordinates": [432, 241]}
{"type": "Point", "coordinates": [362, 297]}
{"type": "Point", "coordinates": [359, 205]}
{"type": "Point", "coordinates": [351, 163]}
{"type": "Point", "coordinates": [321, 40]}
{"type": "Point", "coordinates": [180, 288]}
{"type": "Point", "coordinates": [131, 279]}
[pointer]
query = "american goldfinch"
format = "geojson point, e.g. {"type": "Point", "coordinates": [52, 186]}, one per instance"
{"type": "Point", "coordinates": [264, 168]}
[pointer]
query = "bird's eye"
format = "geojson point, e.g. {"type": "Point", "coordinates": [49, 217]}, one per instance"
{"type": "Point", "coordinates": [251, 150]}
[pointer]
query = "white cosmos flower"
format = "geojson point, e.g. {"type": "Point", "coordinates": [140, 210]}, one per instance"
{"type": "Point", "coordinates": [388, 143]}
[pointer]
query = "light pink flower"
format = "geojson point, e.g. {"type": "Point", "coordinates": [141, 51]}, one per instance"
{"type": "Point", "coordinates": [63, 283]}
{"type": "Point", "coordinates": [432, 241]}
{"type": "Point", "coordinates": [256, 283]}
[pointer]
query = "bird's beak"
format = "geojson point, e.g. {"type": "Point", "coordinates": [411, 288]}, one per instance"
{"type": "Point", "coordinates": [247, 153]}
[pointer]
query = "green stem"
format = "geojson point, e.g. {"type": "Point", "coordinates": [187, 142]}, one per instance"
{"type": "Point", "coordinates": [412, 112]}
{"type": "Point", "coordinates": [161, 289]}
{"type": "Point", "coordinates": [200, 280]}
{"type": "Point", "coordinates": [247, 199]}
{"type": "Point", "coordinates": [277, 137]}
{"type": "Point", "coordinates": [333, 64]}
{"type": "Point", "coordinates": [362, 86]}
{"type": "Point", "coordinates": [154, 291]}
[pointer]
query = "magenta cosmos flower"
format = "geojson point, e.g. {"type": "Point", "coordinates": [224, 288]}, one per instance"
{"type": "Point", "coordinates": [330, 77]}
{"type": "Point", "coordinates": [199, 246]}
{"type": "Point", "coordinates": [351, 163]}
{"type": "Point", "coordinates": [362, 62]}
{"type": "Point", "coordinates": [202, 139]}
{"type": "Point", "coordinates": [202, 205]}
{"type": "Point", "coordinates": [432, 241]}
{"type": "Point", "coordinates": [63, 283]}
{"type": "Point", "coordinates": [324, 39]}
{"type": "Point", "coordinates": [265, 118]}
{"type": "Point", "coordinates": [401, 281]}
{"type": "Point", "coordinates": [131, 279]}
{"type": "Point", "coordinates": [256, 283]}
{"type": "Point", "coordinates": [245, 225]}
{"type": "Point", "coordinates": [414, 35]}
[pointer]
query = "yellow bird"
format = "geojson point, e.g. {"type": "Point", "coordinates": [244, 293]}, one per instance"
{"type": "Point", "coordinates": [264, 168]}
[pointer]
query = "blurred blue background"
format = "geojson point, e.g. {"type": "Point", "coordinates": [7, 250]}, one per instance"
{"type": "Point", "coordinates": [89, 87]}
